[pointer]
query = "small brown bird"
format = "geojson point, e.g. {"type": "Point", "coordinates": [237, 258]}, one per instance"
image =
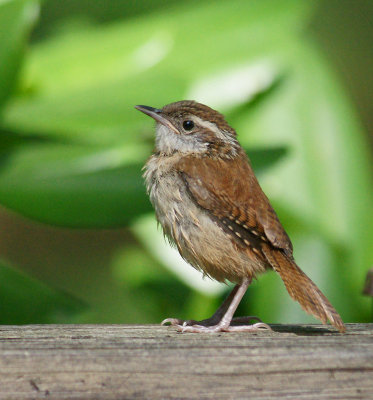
{"type": "Point", "coordinates": [210, 204]}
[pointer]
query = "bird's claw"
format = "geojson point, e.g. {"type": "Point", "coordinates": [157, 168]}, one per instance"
{"type": "Point", "coordinates": [257, 327]}
{"type": "Point", "coordinates": [202, 326]}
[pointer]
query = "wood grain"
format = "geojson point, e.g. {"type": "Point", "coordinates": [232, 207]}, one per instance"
{"type": "Point", "coordinates": [154, 362]}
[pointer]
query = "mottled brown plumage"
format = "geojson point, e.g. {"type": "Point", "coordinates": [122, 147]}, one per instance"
{"type": "Point", "coordinates": [212, 207]}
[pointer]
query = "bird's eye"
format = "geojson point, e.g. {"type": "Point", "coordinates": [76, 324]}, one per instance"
{"type": "Point", "coordinates": [188, 125]}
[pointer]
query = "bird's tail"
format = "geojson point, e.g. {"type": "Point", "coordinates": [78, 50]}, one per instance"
{"type": "Point", "coordinates": [302, 289]}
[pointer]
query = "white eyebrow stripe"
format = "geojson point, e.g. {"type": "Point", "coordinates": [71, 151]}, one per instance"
{"type": "Point", "coordinates": [209, 125]}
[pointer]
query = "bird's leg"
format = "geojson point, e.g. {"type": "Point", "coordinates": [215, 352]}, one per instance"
{"type": "Point", "coordinates": [213, 320]}
{"type": "Point", "coordinates": [222, 318]}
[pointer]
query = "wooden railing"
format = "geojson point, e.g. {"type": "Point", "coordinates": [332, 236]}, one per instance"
{"type": "Point", "coordinates": [154, 362]}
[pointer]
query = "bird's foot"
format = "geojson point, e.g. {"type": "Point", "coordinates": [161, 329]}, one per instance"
{"type": "Point", "coordinates": [211, 326]}
{"type": "Point", "coordinates": [259, 326]}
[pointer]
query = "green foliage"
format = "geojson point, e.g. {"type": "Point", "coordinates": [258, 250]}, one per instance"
{"type": "Point", "coordinates": [72, 145]}
{"type": "Point", "coordinates": [16, 19]}
{"type": "Point", "coordinates": [24, 300]}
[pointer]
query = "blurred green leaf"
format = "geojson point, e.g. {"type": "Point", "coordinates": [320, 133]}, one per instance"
{"type": "Point", "coordinates": [72, 185]}
{"type": "Point", "coordinates": [24, 300]}
{"type": "Point", "coordinates": [16, 19]}
{"type": "Point", "coordinates": [261, 158]}
{"type": "Point", "coordinates": [82, 84]}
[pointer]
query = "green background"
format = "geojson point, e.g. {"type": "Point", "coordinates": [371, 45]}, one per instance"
{"type": "Point", "coordinates": [78, 239]}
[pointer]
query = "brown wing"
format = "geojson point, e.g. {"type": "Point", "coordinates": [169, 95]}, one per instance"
{"type": "Point", "coordinates": [230, 191]}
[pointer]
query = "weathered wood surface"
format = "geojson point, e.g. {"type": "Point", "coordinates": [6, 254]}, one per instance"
{"type": "Point", "coordinates": [153, 362]}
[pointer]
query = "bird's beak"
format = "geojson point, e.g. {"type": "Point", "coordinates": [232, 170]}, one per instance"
{"type": "Point", "coordinates": [156, 113]}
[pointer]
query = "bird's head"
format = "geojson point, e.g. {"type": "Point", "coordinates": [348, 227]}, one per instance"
{"type": "Point", "coordinates": [192, 128]}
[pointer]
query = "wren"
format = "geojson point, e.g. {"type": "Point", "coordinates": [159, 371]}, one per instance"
{"type": "Point", "coordinates": [211, 206]}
